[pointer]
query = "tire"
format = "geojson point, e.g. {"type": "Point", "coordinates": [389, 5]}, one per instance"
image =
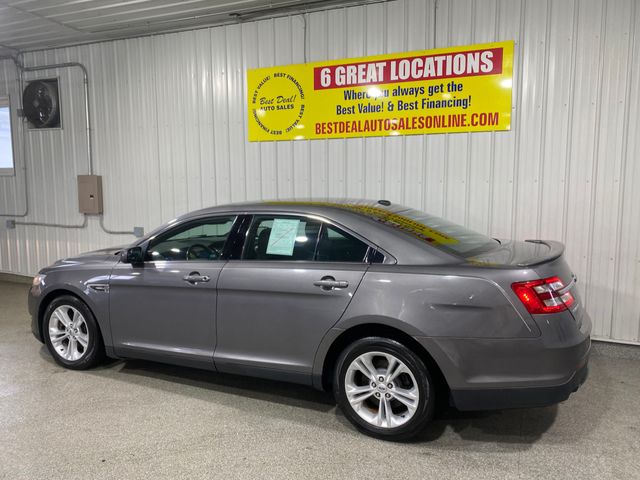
{"type": "Point", "coordinates": [68, 322]}
{"type": "Point", "coordinates": [387, 410]}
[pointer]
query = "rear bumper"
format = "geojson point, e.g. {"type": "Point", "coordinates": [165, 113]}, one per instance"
{"type": "Point", "coordinates": [522, 397]}
{"type": "Point", "coordinates": [487, 374]}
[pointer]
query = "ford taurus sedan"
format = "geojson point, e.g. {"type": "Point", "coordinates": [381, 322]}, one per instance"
{"type": "Point", "coordinates": [388, 307]}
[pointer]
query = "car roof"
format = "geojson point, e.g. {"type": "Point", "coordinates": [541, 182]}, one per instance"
{"type": "Point", "coordinates": [315, 205]}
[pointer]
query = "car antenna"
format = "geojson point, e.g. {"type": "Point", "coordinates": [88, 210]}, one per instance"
{"type": "Point", "coordinates": [386, 203]}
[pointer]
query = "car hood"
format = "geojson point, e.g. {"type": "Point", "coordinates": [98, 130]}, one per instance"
{"type": "Point", "coordinates": [105, 256]}
{"type": "Point", "coordinates": [520, 254]}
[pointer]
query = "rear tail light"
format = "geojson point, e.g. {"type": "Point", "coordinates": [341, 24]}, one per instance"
{"type": "Point", "coordinates": [543, 296]}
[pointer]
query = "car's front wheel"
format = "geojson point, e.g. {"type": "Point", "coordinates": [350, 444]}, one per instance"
{"type": "Point", "coordinates": [72, 334]}
{"type": "Point", "coordinates": [384, 388]}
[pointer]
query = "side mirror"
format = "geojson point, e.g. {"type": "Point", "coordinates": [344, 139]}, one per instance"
{"type": "Point", "coordinates": [133, 256]}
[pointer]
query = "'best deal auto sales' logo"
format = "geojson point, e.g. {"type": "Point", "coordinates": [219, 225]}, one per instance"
{"type": "Point", "coordinates": [277, 103]}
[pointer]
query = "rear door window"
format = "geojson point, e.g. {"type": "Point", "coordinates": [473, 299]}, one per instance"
{"type": "Point", "coordinates": [282, 238]}
{"type": "Point", "coordinates": [290, 237]}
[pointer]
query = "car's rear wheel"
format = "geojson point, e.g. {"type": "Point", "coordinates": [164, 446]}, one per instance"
{"type": "Point", "coordinates": [384, 388]}
{"type": "Point", "coordinates": [72, 334]}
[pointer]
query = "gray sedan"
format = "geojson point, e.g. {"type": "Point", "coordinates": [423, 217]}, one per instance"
{"type": "Point", "coordinates": [390, 308]}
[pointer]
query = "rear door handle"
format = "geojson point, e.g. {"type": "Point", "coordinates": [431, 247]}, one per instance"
{"type": "Point", "coordinates": [195, 277]}
{"type": "Point", "coordinates": [330, 283]}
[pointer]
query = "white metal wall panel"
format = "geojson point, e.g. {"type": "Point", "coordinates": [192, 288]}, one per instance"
{"type": "Point", "coordinates": [170, 130]}
{"type": "Point", "coordinates": [31, 25]}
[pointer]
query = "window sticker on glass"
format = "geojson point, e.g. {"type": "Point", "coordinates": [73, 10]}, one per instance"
{"type": "Point", "coordinates": [283, 235]}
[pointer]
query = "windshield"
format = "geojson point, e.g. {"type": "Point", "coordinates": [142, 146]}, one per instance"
{"type": "Point", "coordinates": [435, 231]}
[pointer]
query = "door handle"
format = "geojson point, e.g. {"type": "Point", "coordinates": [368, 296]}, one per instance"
{"type": "Point", "coordinates": [330, 283]}
{"type": "Point", "coordinates": [195, 277]}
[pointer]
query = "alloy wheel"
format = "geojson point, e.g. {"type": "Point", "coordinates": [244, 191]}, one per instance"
{"type": "Point", "coordinates": [381, 389]}
{"type": "Point", "coordinates": [69, 333]}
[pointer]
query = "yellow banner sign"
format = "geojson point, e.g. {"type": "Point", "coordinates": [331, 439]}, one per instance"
{"type": "Point", "coordinates": [459, 89]}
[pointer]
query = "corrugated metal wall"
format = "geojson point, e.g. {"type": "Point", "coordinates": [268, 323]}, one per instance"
{"type": "Point", "coordinates": [170, 135]}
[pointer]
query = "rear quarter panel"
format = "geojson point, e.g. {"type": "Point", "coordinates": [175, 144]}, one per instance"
{"type": "Point", "coordinates": [472, 324]}
{"type": "Point", "coordinates": [436, 304]}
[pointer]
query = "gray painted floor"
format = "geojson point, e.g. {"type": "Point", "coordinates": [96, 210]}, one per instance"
{"type": "Point", "coordinates": [142, 420]}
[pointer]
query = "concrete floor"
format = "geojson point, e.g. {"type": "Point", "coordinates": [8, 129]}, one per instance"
{"type": "Point", "coordinates": [143, 420]}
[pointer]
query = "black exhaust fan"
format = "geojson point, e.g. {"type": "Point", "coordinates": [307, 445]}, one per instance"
{"type": "Point", "coordinates": [40, 103]}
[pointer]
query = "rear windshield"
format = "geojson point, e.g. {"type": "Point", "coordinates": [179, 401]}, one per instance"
{"type": "Point", "coordinates": [435, 231]}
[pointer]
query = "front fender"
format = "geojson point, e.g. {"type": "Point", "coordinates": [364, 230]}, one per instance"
{"type": "Point", "coordinates": [80, 286]}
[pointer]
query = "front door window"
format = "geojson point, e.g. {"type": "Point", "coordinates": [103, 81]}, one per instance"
{"type": "Point", "coordinates": [200, 240]}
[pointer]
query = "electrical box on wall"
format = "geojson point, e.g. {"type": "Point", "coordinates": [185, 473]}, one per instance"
{"type": "Point", "coordinates": [90, 193]}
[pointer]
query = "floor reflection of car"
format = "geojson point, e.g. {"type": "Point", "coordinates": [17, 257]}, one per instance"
{"type": "Point", "coordinates": [388, 307]}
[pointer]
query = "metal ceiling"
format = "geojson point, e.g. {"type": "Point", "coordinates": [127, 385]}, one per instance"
{"type": "Point", "coordinates": [39, 24]}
